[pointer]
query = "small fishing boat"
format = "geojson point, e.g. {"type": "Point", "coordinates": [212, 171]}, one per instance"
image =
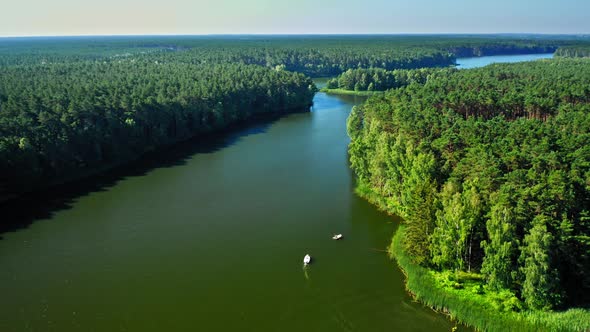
{"type": "Point", "coordinates": [337, 237]}
{"type": "Point", "coordinates": [306, 259]}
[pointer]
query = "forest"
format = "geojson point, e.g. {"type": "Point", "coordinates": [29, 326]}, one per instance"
{"type": "Point", "coordinates": [59, 119]}
{"type": "Point", "coordinates": [69, 105]}
{"type": "Point", "coordinates": [374, 78]}
{"type": "Point", "coordinates": [574, 51]}
{"type": "Point", "coordinates": [490, 170]}
{"type": "Point", "coordinates": [315, 56]}
{"type": "Point", "coordinates": [378, 79]}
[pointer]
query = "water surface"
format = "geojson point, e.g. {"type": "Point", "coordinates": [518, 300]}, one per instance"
{"type": "Point", "coordinates": [214, 241]}
{"type": "Point", "coordinates": [467, 63]}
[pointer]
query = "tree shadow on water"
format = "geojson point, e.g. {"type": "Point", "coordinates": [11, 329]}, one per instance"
{"type": "Point", "coordinates": [19, 213]}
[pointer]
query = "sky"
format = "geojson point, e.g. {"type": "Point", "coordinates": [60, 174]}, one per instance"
{"type": "Point", "coordinates": [136, 17]}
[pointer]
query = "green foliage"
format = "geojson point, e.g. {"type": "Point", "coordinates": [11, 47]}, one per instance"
{"type": "Point", "coordinates": [72, 105]}
{"type": "Point", "coordinates": [500, 247]}
{"type": "Point", "coordinates": [573, 51]}
{"type": "Point", "coordinates": [332, 84]}
{"type": "Point", "coordinates": [315, 56]}
{"type": "Point", "coordinates": [466, 299]}
{"type": "Point", "coordinates": [447, 242]}
{"type": "Point", "coordinates": [59, 119]}
{"type": "Point", "coordinates": [541, 280]}
{"type": "Point", "coordinates": [490, 169]}
{"type": "Point", "coordinates": [379, 79]}
{"type": "Point", "coordinates": [421, 202]}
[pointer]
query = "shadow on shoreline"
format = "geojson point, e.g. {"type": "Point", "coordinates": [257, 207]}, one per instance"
{"type": "Point", "coordinates": [19, 213]}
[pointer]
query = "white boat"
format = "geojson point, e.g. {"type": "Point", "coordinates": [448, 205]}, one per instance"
{"type": "Point", "coordinates": [306, 259]}
{"type": "Point", "coordinates": [337, 237]}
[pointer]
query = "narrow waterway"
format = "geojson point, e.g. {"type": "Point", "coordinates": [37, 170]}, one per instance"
{"type": "Point", "coordinates": [215, 241]}
{"type": "Point", "coordinates": [211, 237]}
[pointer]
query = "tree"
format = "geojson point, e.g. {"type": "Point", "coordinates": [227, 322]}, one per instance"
{"type": "Point", "coordinates": [446, 246]}
{"type": "Point", "coordinates": [500, 247]}
{"type": "Point", "coordinates": [421, 203]}
{"type": "Point", "coordinates": [540, 289]}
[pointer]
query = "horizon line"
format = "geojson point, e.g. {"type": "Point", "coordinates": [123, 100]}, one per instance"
{"type": "Point", "coordinates": [576, 34]}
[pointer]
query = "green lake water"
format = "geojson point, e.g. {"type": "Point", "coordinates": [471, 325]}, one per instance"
{"type": "Point", "coordinates": [214, 241]}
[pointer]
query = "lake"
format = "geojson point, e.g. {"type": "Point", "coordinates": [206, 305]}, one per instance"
{"type": "Point", "coordinates": [210, 236]}
{"type": "Point", "coordinates": [467, 63]}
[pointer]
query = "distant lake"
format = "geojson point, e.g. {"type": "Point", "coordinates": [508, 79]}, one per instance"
{"type": "Point", "coordinates": [476, 62]}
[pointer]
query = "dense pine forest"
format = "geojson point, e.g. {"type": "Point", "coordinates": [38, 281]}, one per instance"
{"type": "Point", "coordinates": [379, 79]}
{"type": "Point", "coordinates": [58, 119]}
{"type": "Point", "coordinates": [73, 104]}
{"type": "Point", "coordinates": [490, 169]}
{"type": "Point", "coordinates": [312, 55]}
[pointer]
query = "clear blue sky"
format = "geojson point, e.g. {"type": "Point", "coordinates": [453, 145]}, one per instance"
{"type": "Point", "coordinates": [105, 17]}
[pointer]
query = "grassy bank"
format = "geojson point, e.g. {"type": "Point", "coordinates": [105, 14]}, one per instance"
{"type": "Point", "coordinates": [351, 92]}
{"type": "Point", "coordinates": [389, 206]}
{"type": "Point", "coordinates": [464, 298]}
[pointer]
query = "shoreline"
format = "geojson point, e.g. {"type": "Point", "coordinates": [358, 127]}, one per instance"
{"type": "Point", "coordinates": [88, 176]}
{"type": "Point", "coordinates": [351, 92]}
{"type": "Point", "coordinates": [465, 301]}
